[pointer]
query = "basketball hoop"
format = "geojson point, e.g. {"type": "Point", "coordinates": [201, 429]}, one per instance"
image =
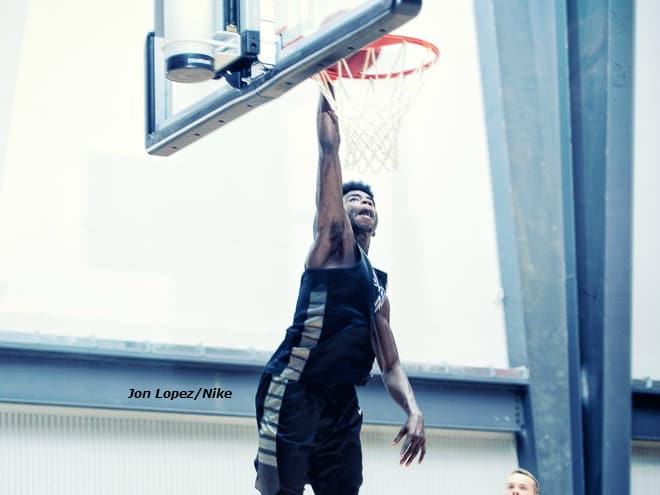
{"type": "Point", "coordinates": [370, 92]}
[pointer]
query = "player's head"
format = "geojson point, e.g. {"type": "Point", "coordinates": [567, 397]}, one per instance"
{"type": "Point", "coordinates": [522, 482]}
{"type": "Point", "coordinates": [360, 207]}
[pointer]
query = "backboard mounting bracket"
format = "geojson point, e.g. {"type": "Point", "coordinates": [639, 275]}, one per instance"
{"type": "Point", "coordinates": [165, 136]}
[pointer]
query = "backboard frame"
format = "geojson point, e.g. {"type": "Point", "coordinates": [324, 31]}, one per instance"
{"type": "Point", "coordinates": [223, 106]}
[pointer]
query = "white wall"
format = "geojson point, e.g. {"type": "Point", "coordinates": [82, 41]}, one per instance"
{"type": "Point", "coordinates": [645, 468]}
{"type": "Point", "coordinates": [646, 201]}
{"type": "Point", "coordinates": [68, 451]}
{"type": "Point", "coordinates": [97, 237]}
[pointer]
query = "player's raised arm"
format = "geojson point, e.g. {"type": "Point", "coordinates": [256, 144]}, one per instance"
{"type": "Point", "coordinates": [397, 384]}
{"type": "Point", "coordinates": [333, 236]}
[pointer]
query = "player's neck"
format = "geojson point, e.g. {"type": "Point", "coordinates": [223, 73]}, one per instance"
{"type": "Point", "coordinates": [363, 239]}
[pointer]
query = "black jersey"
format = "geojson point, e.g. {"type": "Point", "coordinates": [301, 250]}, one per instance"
{"type": "Point", "coordinates": [329, 341]}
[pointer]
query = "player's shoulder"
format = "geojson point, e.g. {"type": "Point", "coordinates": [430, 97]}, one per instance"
{"type": "Point", "coordinates": [382, 276]}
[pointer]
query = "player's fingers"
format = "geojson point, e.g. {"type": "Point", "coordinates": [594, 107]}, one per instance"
{"type": "Point", "coordinates": [421, 456]}
{"type": "Point", "coordinates": [405, 458]}
{"type": "Point", "coordinates": [412, 450]}
{"type": "Point", "coordinates": [405, 448]}
{"type": "Point", "coordinates": [419, 450]}
{"type": "Point", "coordinates": [399, 436]}
{"type": "Point", "coordinates": [404, 451]}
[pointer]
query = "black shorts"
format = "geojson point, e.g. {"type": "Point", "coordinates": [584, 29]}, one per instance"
{"type": "Point", "coordinates": [307, 434]}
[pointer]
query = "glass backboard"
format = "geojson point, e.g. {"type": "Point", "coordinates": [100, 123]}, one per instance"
{"type": "Point", "coordinates": [210, 61]}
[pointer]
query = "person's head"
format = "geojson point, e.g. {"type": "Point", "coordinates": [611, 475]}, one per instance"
{"type": "Point", "coordinates": [522, 482]}
{"type": "Point", "coordinates": [360, 207]}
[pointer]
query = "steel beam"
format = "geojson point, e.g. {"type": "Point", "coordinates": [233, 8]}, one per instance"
{"type": "Point", "coordinates": [601, 62]}
{"type": "Point", "coordinates": [646, 410]}
{"type": "Point", "coordinates": [58, 375]}
{"type": "Point", "coordinates": [524, 64]}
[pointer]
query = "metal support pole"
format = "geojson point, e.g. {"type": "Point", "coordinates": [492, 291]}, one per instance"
{"type": "Point", "coordinates": [601, 48]}
{"type": "Point", "coordinates": [524, 60]}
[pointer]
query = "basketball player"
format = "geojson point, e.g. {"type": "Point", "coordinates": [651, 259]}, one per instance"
{"type": "Point", "coordinates": [522, 482]}
{"type": "Point", "coordinates": [307, 410]}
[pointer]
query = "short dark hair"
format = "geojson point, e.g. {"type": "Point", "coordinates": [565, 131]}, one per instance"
{"type": "Point", "coordinates": [357, 186]}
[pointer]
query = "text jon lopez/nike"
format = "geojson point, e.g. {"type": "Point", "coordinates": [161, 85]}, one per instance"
{"type": "Point", "coordinates": [174, 394]}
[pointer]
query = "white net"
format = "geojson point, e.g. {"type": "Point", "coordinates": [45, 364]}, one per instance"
{"type": "Point", "coordinates": [370, 92]}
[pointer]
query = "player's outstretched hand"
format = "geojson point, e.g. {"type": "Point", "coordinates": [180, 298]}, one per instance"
{"type": "Point", "coordinates": [415, 442]}
{"type": "Point", "coordinates": [328, 126]}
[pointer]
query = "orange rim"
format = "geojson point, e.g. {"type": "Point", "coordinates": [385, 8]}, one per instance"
{"type": "Point", "coordinates": [388, 40]}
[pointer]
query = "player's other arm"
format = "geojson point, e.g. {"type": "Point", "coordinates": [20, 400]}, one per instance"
{"type": "Point", "coordinates": [333, 236]}
{"type": "Point", "coordinates": [399, 388]}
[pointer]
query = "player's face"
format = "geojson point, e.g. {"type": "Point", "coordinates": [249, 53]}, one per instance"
{"type": "Point", "coordinates": [520, 484]}
{"type": "Point", "coordinates": [361, 211]}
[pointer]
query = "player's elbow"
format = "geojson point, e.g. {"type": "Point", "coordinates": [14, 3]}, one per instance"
{"type": "Point", "coordinates": [328, 152]}
{"type": "Point", "coordinates": [390, 368]}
